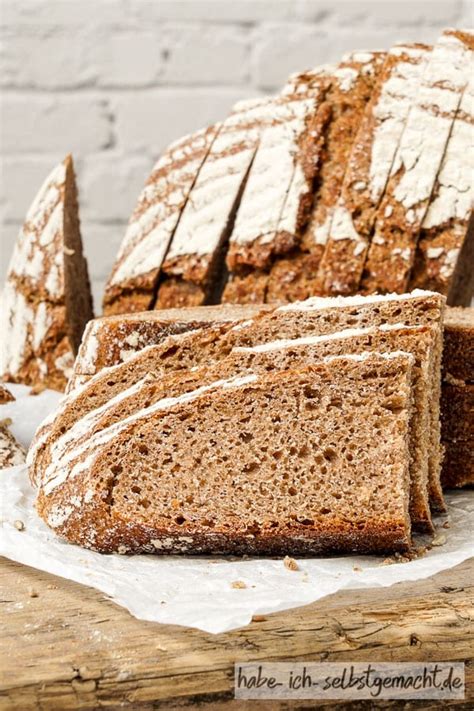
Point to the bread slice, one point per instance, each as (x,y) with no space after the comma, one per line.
(46,301)
(345,237)
(277,198)
(222,469)
(417,163)
(193,270)
(113,339)
(132,284)
(445,238)
(12,453)
(351,86)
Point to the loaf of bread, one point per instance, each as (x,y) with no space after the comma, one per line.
(355,179)
(46,301)
(293,489)
(457,398)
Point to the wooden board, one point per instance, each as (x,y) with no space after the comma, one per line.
(65,646)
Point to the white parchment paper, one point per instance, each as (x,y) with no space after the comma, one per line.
(195,591)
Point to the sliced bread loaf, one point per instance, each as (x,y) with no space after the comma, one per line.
(348,324)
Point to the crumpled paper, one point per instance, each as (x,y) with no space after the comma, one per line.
(195,591)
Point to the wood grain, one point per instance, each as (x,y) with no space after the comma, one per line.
(65,646)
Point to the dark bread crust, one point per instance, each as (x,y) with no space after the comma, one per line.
(115,534)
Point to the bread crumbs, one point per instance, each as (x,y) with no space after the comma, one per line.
(290,563)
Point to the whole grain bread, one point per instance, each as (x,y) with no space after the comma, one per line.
(340,326)
(223,469)
(417,163)
(347,235)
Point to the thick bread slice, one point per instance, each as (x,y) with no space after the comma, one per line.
(417,163)
(345,237)
(223,469)
(444,235)
(352,84)
(46,301)
(113,339)
(132,283)
(277,198)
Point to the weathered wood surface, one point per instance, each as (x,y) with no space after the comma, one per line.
(64,646)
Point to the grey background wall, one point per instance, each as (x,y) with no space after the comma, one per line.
(114,81)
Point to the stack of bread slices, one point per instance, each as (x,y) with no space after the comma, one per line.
(306,428)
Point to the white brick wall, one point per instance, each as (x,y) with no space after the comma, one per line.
(113,81)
